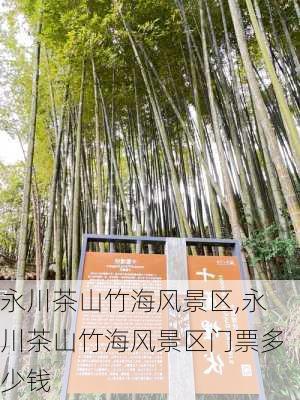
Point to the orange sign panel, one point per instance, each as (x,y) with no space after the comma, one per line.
(112,371)
(222,369)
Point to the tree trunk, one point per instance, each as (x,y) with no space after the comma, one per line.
(291,128)
(98,157)
(22,243)
(268,129)
(77,185)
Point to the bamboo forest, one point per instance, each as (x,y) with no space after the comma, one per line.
(156,118)
(153,117)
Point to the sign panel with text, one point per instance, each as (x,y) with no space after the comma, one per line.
(229,367)
(111,370)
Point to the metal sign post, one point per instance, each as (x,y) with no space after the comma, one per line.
(181,370)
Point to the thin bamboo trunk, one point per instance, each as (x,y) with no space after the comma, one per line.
(77,182)
(98,156)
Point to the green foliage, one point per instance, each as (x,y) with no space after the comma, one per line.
(269,246)
(11,184)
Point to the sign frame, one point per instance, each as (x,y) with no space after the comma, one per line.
(234,244)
